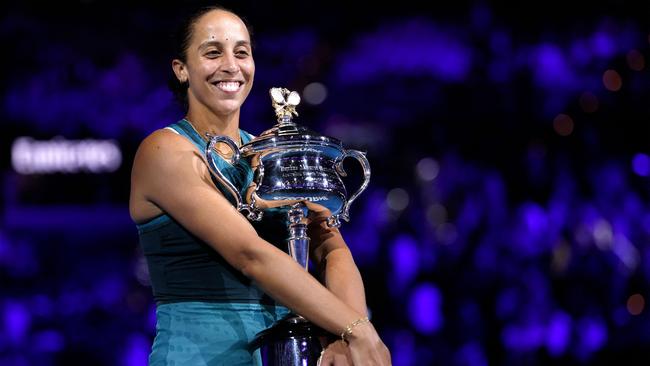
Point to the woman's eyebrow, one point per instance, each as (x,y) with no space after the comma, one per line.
(219,43)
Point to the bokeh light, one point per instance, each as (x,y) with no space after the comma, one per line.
(397,199)
(641,164)
(427,169)
(635,304)
(612,80)
(425,308)
(314,93)
(406,260)
(559,333)
(563,124)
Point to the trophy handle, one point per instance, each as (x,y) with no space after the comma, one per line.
(212,165)
(361,157)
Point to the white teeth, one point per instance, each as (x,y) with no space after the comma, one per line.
(229,86)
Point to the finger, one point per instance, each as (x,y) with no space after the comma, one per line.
(316,208)
(325,360)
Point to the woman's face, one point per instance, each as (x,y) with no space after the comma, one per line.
(220,66)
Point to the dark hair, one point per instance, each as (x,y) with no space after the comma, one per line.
(181,41)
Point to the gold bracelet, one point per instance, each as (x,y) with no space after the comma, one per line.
(348,330)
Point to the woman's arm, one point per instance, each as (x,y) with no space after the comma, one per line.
(334,263)
(337,271)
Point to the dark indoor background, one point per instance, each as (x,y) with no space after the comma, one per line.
(507,221)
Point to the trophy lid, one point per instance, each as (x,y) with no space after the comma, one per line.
(286,132)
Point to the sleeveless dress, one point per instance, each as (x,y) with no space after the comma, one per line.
(207,312)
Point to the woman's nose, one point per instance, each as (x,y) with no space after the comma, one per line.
(230,63)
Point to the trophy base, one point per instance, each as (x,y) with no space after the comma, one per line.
(293,341)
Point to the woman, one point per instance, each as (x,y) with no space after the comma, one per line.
(215,279)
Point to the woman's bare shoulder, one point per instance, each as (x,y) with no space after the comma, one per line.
(162,144)
(165,153)
(164,138)
(164,162)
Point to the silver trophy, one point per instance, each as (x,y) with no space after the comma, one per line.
(292,167)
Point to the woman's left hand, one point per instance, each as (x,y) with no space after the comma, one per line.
(337,354)
(317,227)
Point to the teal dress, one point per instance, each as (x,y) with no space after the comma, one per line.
(207,312)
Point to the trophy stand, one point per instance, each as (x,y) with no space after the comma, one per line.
(293,341)
(298,239)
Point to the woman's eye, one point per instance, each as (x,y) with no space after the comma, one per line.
(242,53)
(213,53)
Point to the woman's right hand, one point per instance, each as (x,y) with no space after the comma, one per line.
(366,348)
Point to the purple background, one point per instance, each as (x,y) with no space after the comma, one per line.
(507,221)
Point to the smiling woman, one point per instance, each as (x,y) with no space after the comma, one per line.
(214,69)
(217,279)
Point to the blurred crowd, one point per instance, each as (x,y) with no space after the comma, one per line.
(506,223)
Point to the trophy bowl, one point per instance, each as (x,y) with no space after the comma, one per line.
(290,164)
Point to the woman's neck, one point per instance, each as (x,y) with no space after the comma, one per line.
(215,125)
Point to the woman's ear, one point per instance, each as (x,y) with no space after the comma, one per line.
(180,70)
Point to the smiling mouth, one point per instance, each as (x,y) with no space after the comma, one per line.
(228,86)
